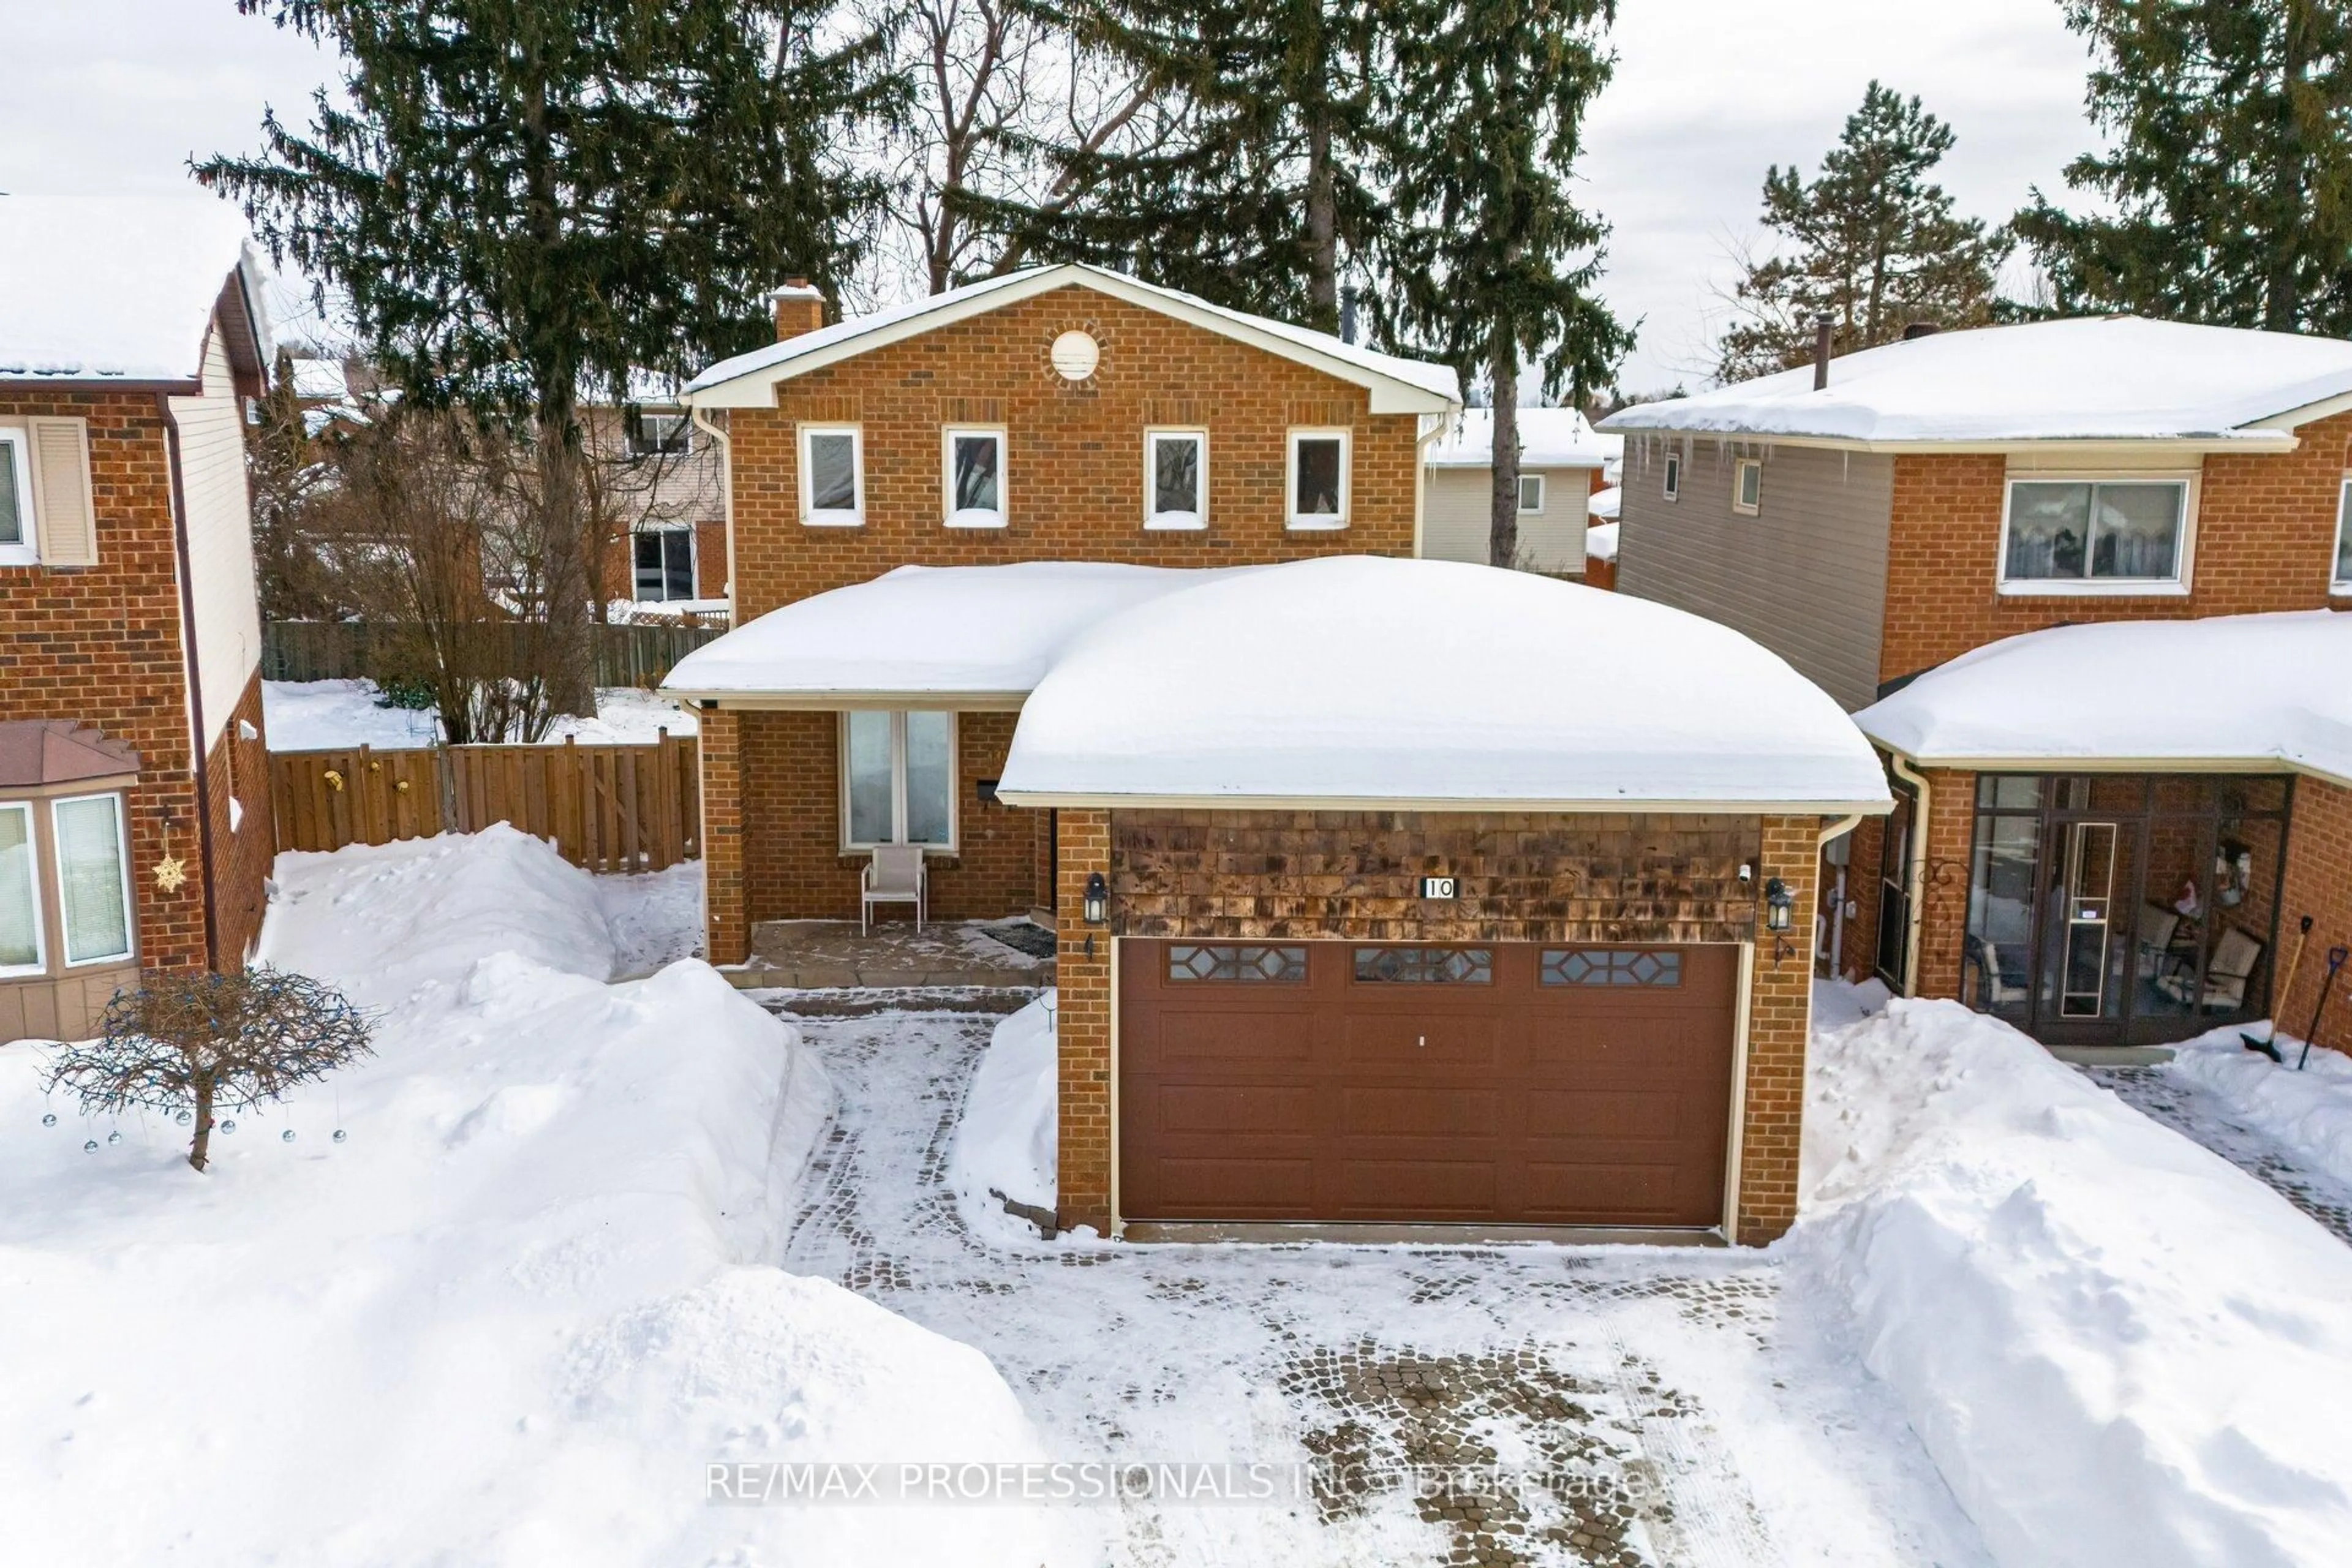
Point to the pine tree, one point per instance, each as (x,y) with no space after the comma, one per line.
(1249,189)
(2228,191)
(526,200)
(1490,259)
(1873,243)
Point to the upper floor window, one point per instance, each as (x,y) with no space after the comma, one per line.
(1748,486)
(833,476)
(1318,479)
(1176,478)
(1531,488)
(1673,488)
(653,435)
(898,778)
(2092,536)
(2340,580)
(665,564)
(18,545)
(973,477)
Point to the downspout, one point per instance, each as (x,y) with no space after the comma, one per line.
(1421,444)
(727,482)
(1914,875)
(197,761)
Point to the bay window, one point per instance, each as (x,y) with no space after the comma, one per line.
(93,877)
(1176,478)
(973,477)
(898,778)
(20,893)
(2091,536)
(1318,479)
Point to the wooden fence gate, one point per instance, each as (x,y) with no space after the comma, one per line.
(608,809)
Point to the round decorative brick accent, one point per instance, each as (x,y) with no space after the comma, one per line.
(1075,354)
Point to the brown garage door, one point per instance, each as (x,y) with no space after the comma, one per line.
(1512,1083)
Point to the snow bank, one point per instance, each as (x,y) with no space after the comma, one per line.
(319,715)
(2119,1350)
(511,1319)
(2310,1111)
(1006,1141)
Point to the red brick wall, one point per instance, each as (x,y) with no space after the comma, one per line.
(2318,884)
(1780,1028)
(1073,459)
(100,644)
(2265,540)
(1082,1029)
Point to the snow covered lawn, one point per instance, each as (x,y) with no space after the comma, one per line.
(2120,1348)
(510,1318)
(315,715)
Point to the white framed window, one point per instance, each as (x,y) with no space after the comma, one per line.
(1175,479)
(93,877)
(1318,479)
(659,434)
(972,476)
(2086,535)
(20,892)
(1748,486)
(2340,580)
(663,564)
(20,545)
(833,476)
(1673,488)
(1531,495)
(898,778)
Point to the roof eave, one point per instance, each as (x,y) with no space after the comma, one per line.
(1565,805)
(2074,762)
(827,701)
(2252,439)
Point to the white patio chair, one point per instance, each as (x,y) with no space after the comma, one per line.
(894,876)
(2227,975)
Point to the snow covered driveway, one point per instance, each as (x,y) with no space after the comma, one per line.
(2202,1116)
(1667,1407)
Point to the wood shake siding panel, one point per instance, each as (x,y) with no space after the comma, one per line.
(1806,576)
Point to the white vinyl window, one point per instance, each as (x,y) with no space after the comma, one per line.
(1531,488)
(20,893)
(2095,536)
(1748,486)
(1175,479)
(898,778)
(833,476)
(1318,479)
(18,546)
(664,564)
(93,877)
(1673,488)
(972,477)
(2339,581)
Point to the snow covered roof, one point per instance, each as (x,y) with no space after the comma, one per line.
(321,380)
(2117,378)
(2248,692)
(920,631)
(1377,683)
(1604,505)
(749,380)
(122,288)
(1549,438)
(1600,541)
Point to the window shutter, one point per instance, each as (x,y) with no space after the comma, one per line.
(68,530)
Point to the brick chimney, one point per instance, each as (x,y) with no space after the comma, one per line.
(798,308)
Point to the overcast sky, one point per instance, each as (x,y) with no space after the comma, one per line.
(116,94)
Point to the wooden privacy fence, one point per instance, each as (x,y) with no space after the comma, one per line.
(636,655)
(608,809)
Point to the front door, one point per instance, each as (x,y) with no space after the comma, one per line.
(2087,924)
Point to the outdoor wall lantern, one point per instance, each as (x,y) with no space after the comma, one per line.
(1097,901)
(1780,904)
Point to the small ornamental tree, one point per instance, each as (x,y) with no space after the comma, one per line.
(201,1042)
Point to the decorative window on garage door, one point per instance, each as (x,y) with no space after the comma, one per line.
(1276,965)
(1427,966)
(1610,967)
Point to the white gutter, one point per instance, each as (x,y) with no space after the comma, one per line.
(1618,805)
(1914,875)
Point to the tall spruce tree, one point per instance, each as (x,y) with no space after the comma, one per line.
(2229,189)
(1873,243)
(526,200)
(1253,192)
(1490,261)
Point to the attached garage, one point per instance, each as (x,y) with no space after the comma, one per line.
(1495,1083)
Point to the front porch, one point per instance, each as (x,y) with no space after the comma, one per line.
(832,955)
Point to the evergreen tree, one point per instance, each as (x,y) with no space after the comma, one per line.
(1249,187)
(1872,243)
(526,200)
(1490,259)
(2228,191)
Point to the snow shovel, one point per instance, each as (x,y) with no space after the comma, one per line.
(2269,1047)
(2335,957)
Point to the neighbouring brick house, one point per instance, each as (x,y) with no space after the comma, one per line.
(1940,495)
(667,495)
(973,543)
(135,806)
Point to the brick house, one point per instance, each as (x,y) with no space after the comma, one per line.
(668,496)
(1482,969)
(135,807)
(1878,518)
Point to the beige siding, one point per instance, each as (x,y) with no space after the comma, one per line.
(1806,576)
(1458,512)
(220,537)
